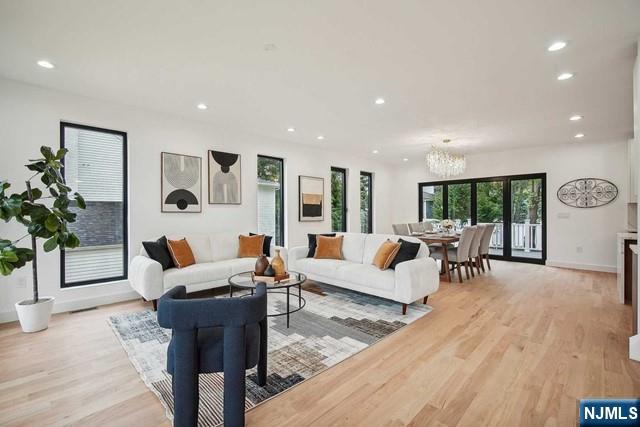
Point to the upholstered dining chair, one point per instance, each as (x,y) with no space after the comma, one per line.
(416,227)
(485,243)
(213,335)
(474,249)
(458,256)
(401,230)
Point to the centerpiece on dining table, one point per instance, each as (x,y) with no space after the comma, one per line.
(447,225)
(270,273)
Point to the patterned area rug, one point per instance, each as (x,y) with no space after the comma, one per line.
(335,324)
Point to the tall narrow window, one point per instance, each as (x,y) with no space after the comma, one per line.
(338,199)
(366,202)
(96,167)
(271,197)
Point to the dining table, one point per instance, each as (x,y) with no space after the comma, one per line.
(445,240)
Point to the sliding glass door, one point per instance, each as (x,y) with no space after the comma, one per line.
(527,227)
(431,203)
(490,210)
(459,204)
(514,204)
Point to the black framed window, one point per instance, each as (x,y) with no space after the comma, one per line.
(96,167)
(338,199)
(271,197)
(366,202)
(516,204)
(490,209)
(432,203)
(459,203)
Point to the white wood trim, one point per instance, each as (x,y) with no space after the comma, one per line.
(577,266)
(79,304)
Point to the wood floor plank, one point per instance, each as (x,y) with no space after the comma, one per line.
(518,345)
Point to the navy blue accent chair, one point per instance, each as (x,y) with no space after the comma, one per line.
(214,335)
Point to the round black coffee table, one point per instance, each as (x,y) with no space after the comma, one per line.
(245,280)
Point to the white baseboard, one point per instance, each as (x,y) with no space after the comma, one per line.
(79,304)
(577,266)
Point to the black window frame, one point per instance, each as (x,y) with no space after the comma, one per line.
(281,223)
(506,208)
(345,209)
(369,176)
(125,208)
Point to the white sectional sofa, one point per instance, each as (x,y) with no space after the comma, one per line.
(216,256)
(410,281)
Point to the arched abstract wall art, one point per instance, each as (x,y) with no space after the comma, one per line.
(181,183)
(225,180)
(587,193)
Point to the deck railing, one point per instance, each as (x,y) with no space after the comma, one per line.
(524,236)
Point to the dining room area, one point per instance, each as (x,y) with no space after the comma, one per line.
(465,248)
(468,222)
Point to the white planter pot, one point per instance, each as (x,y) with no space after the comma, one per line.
(35,317)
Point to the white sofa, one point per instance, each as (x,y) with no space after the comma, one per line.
(216,256)
(410,281)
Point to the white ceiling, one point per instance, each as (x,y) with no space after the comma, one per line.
(477,72)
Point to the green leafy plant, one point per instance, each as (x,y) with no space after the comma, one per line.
(44,213)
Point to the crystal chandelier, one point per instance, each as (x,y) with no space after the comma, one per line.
(444,163)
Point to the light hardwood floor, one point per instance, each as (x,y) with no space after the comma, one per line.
(517,346)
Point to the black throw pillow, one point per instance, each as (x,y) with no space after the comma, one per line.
(158,251)
(313,242)
(266,246)
(407,252)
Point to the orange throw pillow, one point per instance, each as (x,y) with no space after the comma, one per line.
(181,253)
(250,246)
(329,247)
(385,255)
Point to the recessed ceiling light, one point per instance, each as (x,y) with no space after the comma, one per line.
(575,117)
(291,130)
(379,101)
(202,106)
(579,135)
(405,160)
(557,46)
(46,64)
(320,137)
(375,151)
(565,76)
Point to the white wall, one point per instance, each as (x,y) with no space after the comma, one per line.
(30,117)
(636,93)
(592,229)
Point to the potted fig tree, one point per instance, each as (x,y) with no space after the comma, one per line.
(45,214)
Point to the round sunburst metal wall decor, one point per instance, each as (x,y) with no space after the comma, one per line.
(587,193)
